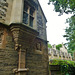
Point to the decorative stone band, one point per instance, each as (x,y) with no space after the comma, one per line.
(3,10)
(15,33)
(20,70)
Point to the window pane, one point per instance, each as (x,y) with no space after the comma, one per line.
(4,0)
(31,12)
(25,8)
(25,18)
(31,21)
(0,40)
(1,34)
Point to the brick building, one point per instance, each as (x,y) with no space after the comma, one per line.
(23,40)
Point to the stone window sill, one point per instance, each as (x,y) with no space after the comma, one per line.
(38,52)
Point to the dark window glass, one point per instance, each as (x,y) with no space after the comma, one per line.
(26,9)
(1,34)
(31,21)
(28,16)
(4,0)
(25,18)
(31,12)
(0,40)
(31,17)
(25,14)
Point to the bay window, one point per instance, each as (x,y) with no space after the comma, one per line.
(28,15)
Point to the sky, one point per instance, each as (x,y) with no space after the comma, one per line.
(55,24)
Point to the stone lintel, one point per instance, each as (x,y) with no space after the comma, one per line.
(32,3)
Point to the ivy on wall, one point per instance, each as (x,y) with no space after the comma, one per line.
(67,67)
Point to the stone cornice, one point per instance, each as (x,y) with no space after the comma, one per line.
(24,28)
(18,29)
(42,39)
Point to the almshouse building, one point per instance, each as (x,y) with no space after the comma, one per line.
(61,54)
(23,40)
(58,55)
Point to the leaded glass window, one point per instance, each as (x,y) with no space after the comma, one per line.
(25,18)
(28,15)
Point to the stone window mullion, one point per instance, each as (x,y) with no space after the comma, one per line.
(28,15)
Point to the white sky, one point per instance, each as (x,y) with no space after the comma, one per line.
(55,25)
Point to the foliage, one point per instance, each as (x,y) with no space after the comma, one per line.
(49,45)
(67,6)
(71,51)
(70,33)
(67,67)
(63,6)
(58,46)
(61,62)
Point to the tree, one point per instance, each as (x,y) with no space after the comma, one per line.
(70,33)
(58,46)
(67,6)
(49,45)
(63,6)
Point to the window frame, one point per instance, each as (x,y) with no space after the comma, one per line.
(38,46)
(31,16)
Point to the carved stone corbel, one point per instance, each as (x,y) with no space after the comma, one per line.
(15,36)
(15,33)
